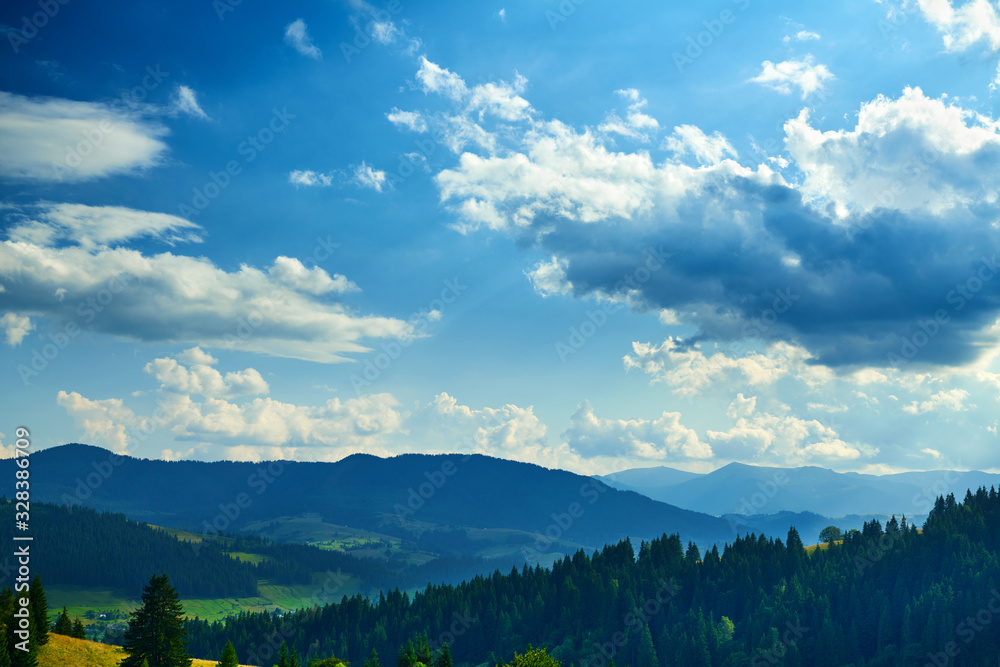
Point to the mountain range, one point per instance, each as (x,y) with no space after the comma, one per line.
(501,507)
(541,511)
(743,489)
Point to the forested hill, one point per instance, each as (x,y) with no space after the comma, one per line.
(886,596)
(78,546)
(362,491)
(82,547)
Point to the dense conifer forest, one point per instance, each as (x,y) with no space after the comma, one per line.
(102,549)
(886,595)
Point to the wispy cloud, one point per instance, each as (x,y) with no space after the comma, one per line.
(310,178)
(636,124)
(367,177)
(801,36)
(55,139)
(185,100)
(297,36)
(66,254)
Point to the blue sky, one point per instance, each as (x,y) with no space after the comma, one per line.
(581,235)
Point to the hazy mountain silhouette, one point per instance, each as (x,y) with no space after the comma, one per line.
(738,488)
(362,491)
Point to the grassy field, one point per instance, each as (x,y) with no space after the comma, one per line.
(188,536)
(272,596)
(256,559)
(310,528)
(68,652)
(78,599)
(822,545)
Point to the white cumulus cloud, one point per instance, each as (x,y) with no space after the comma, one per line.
(802,73)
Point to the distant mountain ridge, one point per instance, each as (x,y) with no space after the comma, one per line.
(547,512)
(738,488)
(391,495)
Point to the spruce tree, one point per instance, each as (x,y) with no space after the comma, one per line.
(156,631)
(533,657)
(39,611)
(63,625)
(443,658)
(373,660)
(424,655)
(283,656)
(647,652)
(228,658)
(6,620)
(78,630)
(407,656)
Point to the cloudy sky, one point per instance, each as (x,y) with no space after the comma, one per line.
(560,232)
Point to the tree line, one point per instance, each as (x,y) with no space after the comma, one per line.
(104,549)
(886,595)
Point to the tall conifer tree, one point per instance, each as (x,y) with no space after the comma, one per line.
(156,630)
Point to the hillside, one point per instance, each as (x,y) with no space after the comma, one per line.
(87,548)
(401,496)
(106,550)
(68,652)
(885,595)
